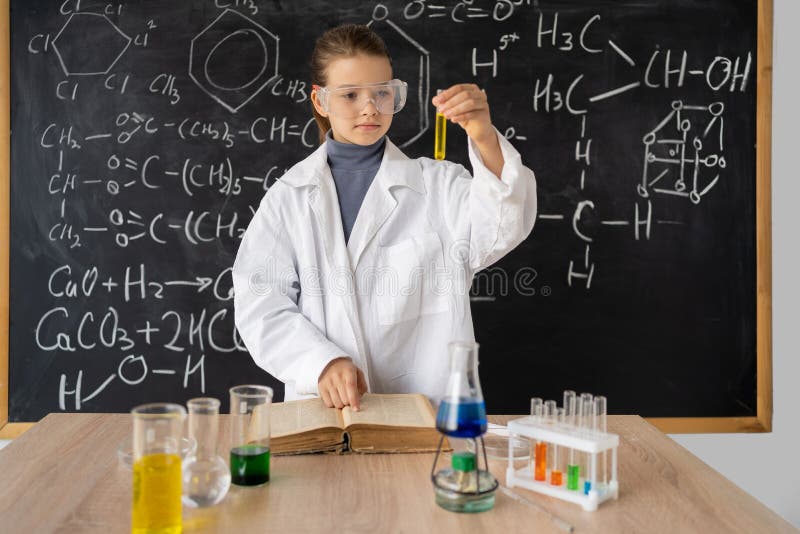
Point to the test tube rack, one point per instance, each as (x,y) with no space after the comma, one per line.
(565,435)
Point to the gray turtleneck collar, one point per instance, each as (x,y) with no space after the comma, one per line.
(353,168)
(352,157)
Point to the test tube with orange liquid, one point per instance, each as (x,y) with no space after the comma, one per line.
(557,471)
(543,455)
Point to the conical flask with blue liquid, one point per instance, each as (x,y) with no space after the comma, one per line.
(462,412)
(464,487)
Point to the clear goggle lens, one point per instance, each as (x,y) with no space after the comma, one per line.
(349,102)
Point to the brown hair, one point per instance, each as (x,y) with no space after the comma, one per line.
(347,40)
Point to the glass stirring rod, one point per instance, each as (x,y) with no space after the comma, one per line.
(563,525)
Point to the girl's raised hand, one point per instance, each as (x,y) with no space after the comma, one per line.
(466,105)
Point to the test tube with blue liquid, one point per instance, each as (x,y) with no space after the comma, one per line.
(586,404)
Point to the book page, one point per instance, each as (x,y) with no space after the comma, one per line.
(412,410)
(298,416)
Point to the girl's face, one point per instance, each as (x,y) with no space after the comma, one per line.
(369,125)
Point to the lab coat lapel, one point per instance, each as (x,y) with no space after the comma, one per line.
(379,203)
(395,170)
(325,205)
(375,209)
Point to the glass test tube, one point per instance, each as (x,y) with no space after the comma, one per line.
(557,469)
(541,463)
(600,411)
(441,133)
(536,407)
(536,413)
(586,403)
(573,469)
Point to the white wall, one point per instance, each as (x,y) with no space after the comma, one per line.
(764,465)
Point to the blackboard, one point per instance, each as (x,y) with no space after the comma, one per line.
(145,133)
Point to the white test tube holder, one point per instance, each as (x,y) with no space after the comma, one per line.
(567,436)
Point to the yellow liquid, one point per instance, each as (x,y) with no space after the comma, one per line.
(157,494)
(441,135)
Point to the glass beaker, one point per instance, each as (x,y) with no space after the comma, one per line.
(157,430)
(206,478)
(250,455)
(462,412)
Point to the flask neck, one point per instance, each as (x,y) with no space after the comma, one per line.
(204,428)
(464,383)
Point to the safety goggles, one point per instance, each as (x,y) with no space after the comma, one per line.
(348,102)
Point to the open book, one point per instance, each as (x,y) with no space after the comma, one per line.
(384,423)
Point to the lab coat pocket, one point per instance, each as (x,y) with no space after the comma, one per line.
(410,270)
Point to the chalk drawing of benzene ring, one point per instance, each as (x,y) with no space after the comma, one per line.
(107,44)
(420,85)
(213,40)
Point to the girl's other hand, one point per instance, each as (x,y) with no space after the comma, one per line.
(466,105)
(341,384)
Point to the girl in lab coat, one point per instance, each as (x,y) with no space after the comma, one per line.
(335,305)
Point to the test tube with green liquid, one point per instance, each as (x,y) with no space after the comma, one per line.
(441,133)
(573,469)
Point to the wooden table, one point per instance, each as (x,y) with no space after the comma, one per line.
(63,476)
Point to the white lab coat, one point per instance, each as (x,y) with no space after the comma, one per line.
(398,291)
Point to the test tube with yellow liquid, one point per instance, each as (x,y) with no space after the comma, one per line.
(441,133)
(157,430)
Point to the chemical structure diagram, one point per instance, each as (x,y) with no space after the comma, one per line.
(669,154)
(412,65)
(76,58)
(683,154)
(233,84)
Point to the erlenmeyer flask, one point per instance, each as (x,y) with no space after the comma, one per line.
(462,412)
